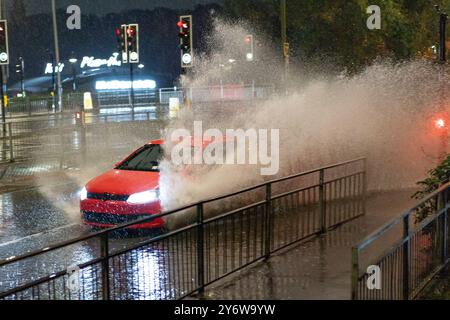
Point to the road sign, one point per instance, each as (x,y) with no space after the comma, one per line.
(4,48)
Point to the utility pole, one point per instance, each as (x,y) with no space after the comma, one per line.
(3,71)
(285,43)
(58,74)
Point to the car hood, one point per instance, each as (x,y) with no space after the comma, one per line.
(124,182)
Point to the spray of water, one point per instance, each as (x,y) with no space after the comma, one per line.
(383,113)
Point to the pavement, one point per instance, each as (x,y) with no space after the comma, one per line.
(316,269)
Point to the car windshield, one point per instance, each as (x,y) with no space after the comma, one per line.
(145,159)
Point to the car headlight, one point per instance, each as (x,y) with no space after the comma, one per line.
(83,194)
(143,197)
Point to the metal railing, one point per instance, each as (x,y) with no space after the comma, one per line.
(32,105)
(218,237)
(219,93)
(419,253)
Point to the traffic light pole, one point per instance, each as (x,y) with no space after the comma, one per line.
(55,34)
(2,93)
(132,86)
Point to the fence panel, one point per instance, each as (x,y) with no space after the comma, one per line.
(418,253)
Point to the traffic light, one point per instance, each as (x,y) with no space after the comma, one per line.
(20,66)
(132,36)
(249,52)
(187,54)
(122,41)
(4,49)
(20,69)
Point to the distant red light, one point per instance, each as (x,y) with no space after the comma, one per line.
(180,24)
(118,32)
(440,123)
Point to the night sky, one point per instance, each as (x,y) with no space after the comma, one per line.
(101,7)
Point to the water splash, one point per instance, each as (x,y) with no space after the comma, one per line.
(382,113)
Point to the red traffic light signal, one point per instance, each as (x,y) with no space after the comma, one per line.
(130,32)
(186,41)
(183,24)
(4,50)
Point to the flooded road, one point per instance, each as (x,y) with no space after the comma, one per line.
(37,217)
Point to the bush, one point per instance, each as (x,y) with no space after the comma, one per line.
(436,178)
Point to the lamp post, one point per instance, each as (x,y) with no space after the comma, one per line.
(73,60)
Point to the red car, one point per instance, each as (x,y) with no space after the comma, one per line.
(126,193)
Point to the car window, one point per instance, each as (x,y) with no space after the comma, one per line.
(145,159)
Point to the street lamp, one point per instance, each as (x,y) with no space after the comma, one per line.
(73,60)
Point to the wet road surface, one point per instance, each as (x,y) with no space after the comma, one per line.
(37,217)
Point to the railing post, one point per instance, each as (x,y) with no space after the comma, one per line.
(200,249)
(322,207)
(355,272)
(11,146)
(445,228)
(104,248)
(28,103)
(364,185)
(406,257)
(268,221)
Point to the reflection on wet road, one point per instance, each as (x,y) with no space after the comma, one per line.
(37,217)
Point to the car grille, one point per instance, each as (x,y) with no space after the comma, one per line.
(109,218)
(107,197)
